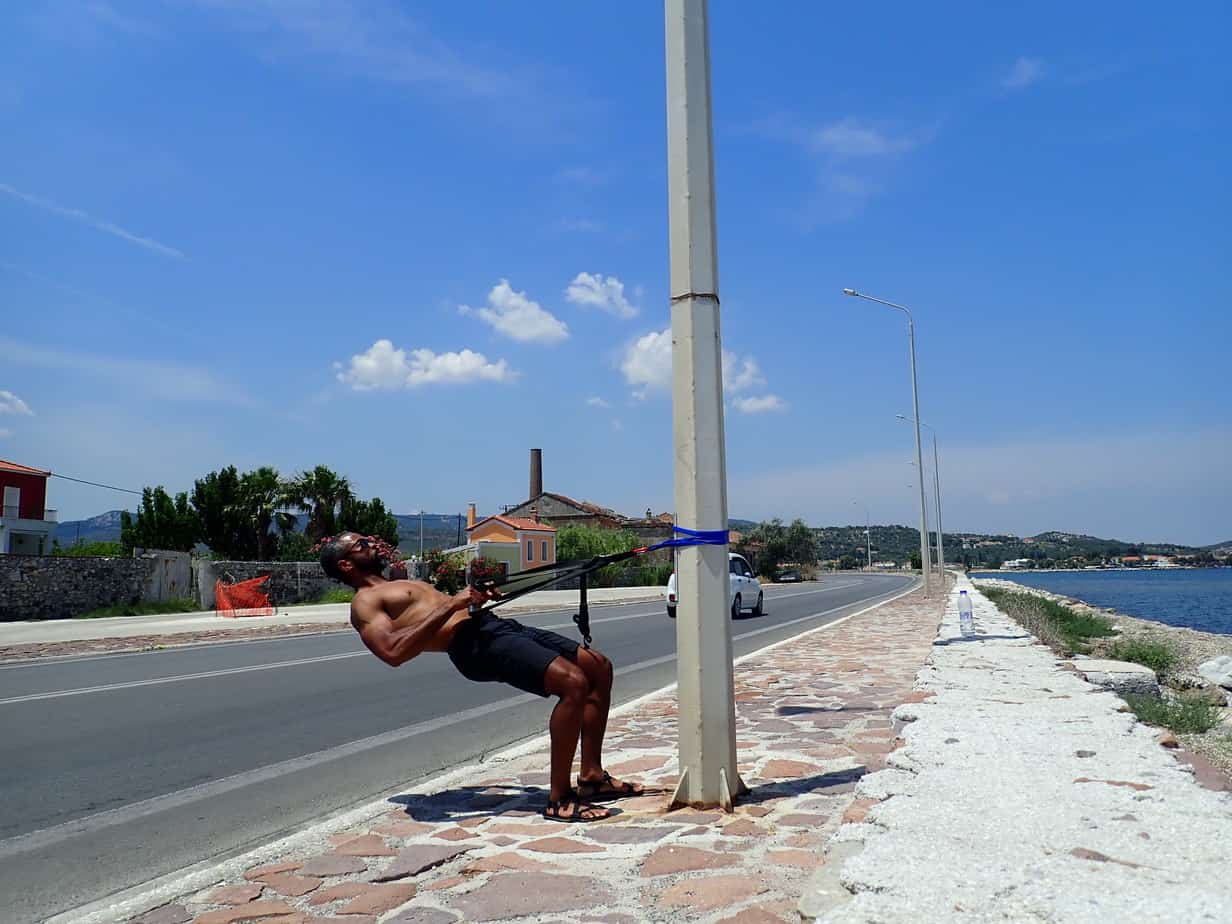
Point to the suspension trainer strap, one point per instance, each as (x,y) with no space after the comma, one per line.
(691,537)
(533,579)
(582,619)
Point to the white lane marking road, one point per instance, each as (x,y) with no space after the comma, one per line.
(222,672)
(46,837)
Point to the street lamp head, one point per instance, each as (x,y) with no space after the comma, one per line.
(850,292)
(902,417)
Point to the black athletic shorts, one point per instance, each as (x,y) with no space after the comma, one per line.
(488,648)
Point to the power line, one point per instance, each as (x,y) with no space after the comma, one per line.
(95,484)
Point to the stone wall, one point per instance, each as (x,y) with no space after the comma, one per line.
(53,587)
(290,581)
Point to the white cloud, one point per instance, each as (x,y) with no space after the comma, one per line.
(852,137)
(104,226)
(594,291)
(592,402)
(647,363)
(375,39)
(154,378)
(518,317)
(382,366)
(1025,72)
(759,405)
(740,374)
(11,404)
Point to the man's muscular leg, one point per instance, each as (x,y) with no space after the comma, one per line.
(593,779)
(570,683)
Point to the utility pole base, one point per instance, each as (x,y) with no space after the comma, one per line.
(727,794)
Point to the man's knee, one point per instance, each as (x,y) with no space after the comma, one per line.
(600,670)
(568,681)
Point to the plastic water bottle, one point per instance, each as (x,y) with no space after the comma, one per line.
(966,621)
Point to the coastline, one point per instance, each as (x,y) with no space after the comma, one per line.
(1192,647)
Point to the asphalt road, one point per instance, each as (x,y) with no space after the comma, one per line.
(118,769)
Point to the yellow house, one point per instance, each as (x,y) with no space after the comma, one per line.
(519,542)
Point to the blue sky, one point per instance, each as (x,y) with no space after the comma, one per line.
(412,241)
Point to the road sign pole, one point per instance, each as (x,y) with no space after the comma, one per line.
(707,717)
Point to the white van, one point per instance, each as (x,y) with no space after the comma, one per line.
(745,592)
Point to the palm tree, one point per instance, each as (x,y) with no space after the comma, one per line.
(264,493)
(319,493)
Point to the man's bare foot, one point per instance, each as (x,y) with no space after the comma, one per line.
(571,808)
(606,787)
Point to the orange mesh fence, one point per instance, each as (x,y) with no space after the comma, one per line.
(243,598)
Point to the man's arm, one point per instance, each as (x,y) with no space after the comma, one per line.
(397,646)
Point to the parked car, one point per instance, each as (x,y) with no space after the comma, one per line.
(744,590)
(789,576)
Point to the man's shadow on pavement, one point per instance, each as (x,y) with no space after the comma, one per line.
(463,802)
(454,806)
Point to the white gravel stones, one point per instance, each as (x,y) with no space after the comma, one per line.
(1034,799)
(1118,676)
(1218,671)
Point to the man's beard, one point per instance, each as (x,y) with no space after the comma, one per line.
(373,565)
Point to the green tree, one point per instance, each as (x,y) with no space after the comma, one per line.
(589,541)
(849,563)
(915,560)
(767,545)
(369,518)
(801,543)
(161,523)
(262,494)
(319,493)
(221,505)
(294,546)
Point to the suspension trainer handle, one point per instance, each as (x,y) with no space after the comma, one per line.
(582,619)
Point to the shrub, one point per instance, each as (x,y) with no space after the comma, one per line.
(1158,656)
(91,549)
(1183,714)
(447,573)
(336,595)
(1055,625)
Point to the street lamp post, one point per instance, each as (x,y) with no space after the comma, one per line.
(706,694)
(936,495)
(868,536)
(919,455)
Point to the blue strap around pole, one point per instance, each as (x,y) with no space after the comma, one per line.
(692,537)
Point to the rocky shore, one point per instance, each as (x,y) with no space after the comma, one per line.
(1203,662)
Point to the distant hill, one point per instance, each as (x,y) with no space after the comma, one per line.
(103,528)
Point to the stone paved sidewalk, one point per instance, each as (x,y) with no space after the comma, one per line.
(813,716)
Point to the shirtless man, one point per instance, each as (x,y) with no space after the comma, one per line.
(399,620)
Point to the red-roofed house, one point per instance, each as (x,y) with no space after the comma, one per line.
(517,541)
(25,522)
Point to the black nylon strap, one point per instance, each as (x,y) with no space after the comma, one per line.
(547,575)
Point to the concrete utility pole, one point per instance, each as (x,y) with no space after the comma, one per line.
(707,711)
(937,496)
(925,555)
